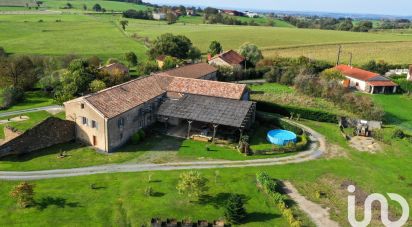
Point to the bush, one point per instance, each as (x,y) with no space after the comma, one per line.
(272,188)
(138,137)
(304,113)
(398,134)
(12,95)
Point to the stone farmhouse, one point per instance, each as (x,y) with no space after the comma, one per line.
(366,81)
(229,58)
(107,119)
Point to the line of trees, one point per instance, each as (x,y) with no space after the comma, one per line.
(327,23)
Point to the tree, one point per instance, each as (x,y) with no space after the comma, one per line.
(215,48)
(76,80)
(23,193)
(191,184)
(194,54)
(2,52)
(131,58)
(171,18)
(84,7)
(18,71)
(405,86)
(274,74)
(171,45)
(69,5)
(97,85)
(97,7)
(11,95)
(380,67)
(124,23)
(235,212)
(169,63)
(94,61)
(332,74)
(345,25)
(251,52)
(148,67)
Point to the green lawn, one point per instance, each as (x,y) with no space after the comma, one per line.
(120,198)
(397,108)
(33,99)
(76,34)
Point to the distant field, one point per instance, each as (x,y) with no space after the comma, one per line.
(261,21)
(17,2)
(392,52)
(75,34)
(274,40)
(78,5)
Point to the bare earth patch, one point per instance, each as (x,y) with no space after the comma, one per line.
(365,144)
(14,119)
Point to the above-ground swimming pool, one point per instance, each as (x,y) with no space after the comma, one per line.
(281,137)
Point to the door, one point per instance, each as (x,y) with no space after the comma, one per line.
(94,141)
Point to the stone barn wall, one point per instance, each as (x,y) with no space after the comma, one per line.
(47,133)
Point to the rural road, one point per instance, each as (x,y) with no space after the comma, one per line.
(316,150)
(18,112)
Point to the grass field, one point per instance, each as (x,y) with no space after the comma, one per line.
(397,108)
(320,44)
(75,34)
(262,21)
(78,5)
(391,52)
(120,197)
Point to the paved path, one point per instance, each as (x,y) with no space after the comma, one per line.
(319,215)
(18,112)
(316,149)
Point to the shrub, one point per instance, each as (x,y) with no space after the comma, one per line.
(137,137)
(12,95)
(23,193)
(398,134)
(235,212)
(304,113)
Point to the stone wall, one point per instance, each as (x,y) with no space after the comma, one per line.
(47,133)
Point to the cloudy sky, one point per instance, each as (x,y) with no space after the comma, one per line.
(388,7)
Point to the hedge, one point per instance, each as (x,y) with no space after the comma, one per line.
(266,118)
(309,114)
(272,188)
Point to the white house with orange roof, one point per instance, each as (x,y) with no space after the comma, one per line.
(366,81)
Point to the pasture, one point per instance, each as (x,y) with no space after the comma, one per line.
(78,5)
(83,35)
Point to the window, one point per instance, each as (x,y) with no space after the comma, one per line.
(120,122)
(82,106)
(94,124)
(121,135)
(84,120)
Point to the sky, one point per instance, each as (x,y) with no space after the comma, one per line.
(383,7)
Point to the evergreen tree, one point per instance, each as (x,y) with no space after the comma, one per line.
(235,212)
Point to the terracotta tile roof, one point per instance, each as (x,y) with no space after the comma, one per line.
(382,83)
(195,71)
(231,57)
(356,73)
(121,98)
(207,88)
